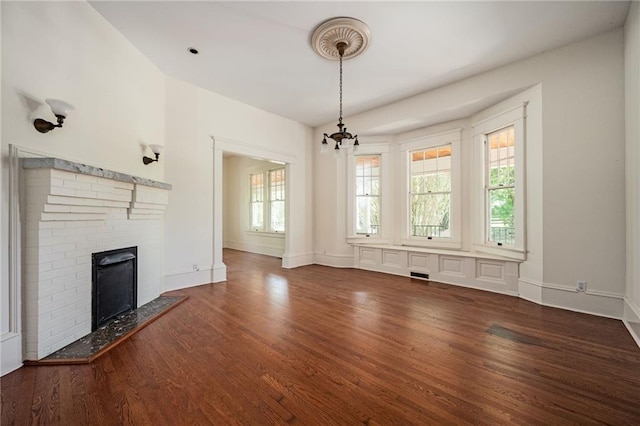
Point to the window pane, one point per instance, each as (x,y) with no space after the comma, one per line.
(430,192)
(501,157)
(256,195)
(367,194)
(257,216)
(277,216)
(277,200)
(501,216)
(430,215)
(368,215)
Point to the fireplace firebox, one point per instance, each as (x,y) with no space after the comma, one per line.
(114,284)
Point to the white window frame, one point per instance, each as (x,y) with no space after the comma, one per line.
(453,137)
(383,150)
(515,116)
(266,199)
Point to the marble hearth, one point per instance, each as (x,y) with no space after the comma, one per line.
(70,211)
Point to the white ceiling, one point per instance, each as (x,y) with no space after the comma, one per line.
(260,53)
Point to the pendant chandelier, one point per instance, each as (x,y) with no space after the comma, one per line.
(340,39)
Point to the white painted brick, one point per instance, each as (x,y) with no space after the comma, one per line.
(86,178)
(48,289)
(62,248)
(123,185)
(64,326)
(51,241)
(64,263)
(45,334)
(83,259)
(63,174)
(53,257)
(76,253)
(85,193)
(78,331)
(86,245)
(75,239)
(45,233)
(70,275)
(48,305)
(84,318)
(50,225)
(57,273)
(58,190)
(71,216)
(54,343)
(56,208)
(73,184)
(72,282)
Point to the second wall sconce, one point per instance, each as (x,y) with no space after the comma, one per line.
(156,150)
(60,108)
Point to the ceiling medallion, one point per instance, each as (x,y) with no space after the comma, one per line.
(354,33)
(340,39)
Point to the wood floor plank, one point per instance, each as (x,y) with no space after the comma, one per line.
(317,345)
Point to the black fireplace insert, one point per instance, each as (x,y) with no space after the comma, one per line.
(114,284)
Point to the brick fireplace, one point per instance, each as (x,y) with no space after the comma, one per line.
(70,211)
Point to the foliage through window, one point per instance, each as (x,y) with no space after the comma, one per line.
(367,172)
(430,192)
(500,186)
(267,201)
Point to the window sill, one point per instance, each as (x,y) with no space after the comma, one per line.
(361,239)
(265,234)
(508,252)
(435,243)
(443,252)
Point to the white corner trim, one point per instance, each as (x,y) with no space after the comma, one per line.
(334,260)
(593,302)
(295,260)
(219,273)
(631,319)
(11,348)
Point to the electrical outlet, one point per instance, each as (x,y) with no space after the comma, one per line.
(195,267)
(581,286)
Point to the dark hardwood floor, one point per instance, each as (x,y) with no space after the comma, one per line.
(317,345)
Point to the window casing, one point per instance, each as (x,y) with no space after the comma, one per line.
(431,213)
(267,201)
(368,203)
(367,194)
(499,184)
(430,192)
(499,145)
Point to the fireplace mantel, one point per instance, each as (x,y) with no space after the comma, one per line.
(70,166)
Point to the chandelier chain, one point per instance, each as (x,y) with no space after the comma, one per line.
(340,118)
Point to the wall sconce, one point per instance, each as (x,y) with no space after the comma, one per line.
(156,150)
(60,108)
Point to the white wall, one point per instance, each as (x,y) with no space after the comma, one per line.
(236,209)
(67,50)
(632,128)
(578,178)
(197,117)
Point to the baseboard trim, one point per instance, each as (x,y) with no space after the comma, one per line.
(11,348)
(294,260)
(334,260)
(255,248)
(219,273)
(631,319)
(593,302)
(185,279)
